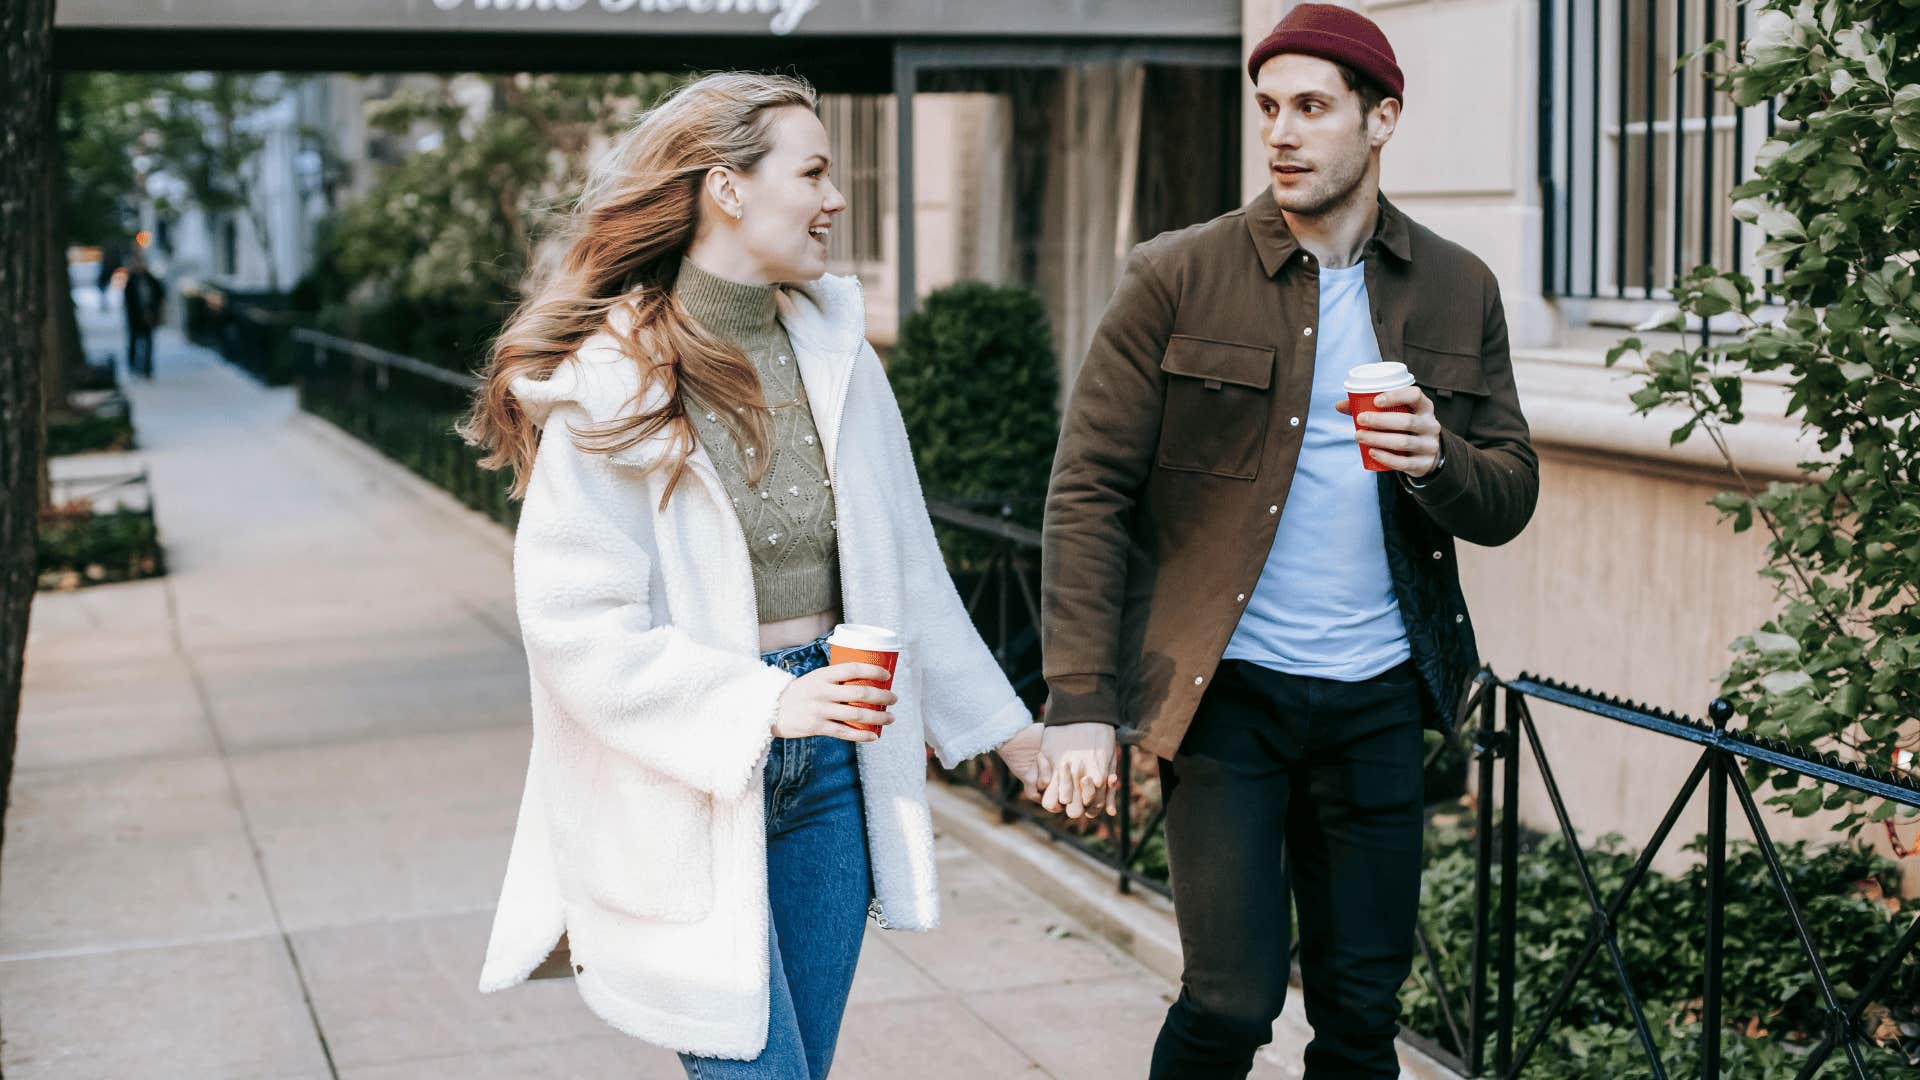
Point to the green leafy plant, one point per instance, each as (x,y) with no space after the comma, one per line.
(426,263)
(1770,1004)
(979,386)
(79,547)
(1838,196)
(79,432)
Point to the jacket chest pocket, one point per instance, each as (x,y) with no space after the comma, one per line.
(1452,379)
(1217,407)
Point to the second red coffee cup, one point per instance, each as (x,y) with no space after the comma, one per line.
(1366,382)
(852,643)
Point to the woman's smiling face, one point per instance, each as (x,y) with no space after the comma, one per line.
(788,202)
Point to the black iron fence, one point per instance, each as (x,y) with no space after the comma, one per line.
(1506,738)
(1476,1024)
(252,330)
(405,407)
(1637,159)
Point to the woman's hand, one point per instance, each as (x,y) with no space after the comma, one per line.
(1022,757)
(820,703)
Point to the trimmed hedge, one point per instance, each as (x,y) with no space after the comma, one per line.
(979,386)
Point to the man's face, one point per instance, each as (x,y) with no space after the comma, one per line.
(1319,144)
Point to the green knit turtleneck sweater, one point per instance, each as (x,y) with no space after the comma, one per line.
(789,517)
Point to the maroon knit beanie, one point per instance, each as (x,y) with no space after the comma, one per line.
(1332,33)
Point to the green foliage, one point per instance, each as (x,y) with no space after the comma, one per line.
(979,389)
(1771,1007)
(104,117)
(83,432)
(78,547)
(1838,195)
(1770,1003)
(427,262)
(201,129)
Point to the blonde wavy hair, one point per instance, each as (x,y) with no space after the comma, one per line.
(623,243)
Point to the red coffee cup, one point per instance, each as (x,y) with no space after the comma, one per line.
(1366,382)
(852,643)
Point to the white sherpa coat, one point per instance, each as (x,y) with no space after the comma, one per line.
(641,830)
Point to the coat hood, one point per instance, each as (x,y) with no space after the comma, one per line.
(827,317)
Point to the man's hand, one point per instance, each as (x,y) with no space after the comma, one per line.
(1082,757)
(1405,442)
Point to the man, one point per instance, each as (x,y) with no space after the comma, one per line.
(1224,579)
(143,298)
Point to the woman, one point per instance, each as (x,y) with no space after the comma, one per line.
(715,474)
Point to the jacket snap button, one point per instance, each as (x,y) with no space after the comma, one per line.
(1437,555)
(1273,509)
(1198,679)
(1308,331)
(1241,599)
(1459,618)
(1294,421)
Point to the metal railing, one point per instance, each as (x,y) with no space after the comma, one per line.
(1501,736)
(93,490)
(252,331)
(1001,594)
(1636,159)
(402,405)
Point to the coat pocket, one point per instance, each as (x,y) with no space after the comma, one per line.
(1452,378)
(1218,401)
(649,845)
(1444,372)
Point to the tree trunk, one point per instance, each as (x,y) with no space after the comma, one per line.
(60,330)
(26,39)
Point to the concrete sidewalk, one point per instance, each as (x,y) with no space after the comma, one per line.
(263,806)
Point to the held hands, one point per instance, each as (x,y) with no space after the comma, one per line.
(1405,442)
(1077,762)
(820,703)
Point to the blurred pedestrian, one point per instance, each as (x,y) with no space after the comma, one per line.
(144,299)
(715,475)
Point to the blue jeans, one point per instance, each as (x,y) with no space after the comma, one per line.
(818,886)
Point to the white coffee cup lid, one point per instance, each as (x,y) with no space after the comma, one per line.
(1374,378)
(864,638)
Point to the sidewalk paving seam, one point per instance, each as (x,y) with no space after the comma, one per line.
(959,997)
(76,952)
(246,823)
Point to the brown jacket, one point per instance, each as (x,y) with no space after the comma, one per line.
(1179,445)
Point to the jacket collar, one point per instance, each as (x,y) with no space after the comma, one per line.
(1276,243)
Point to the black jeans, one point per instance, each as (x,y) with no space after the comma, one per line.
(1286,783)
(140,351)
